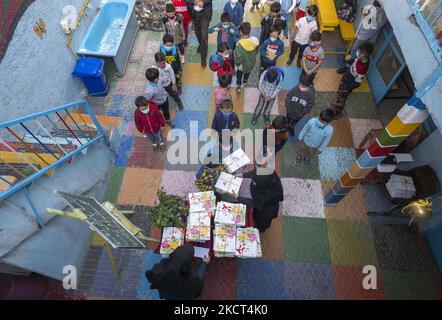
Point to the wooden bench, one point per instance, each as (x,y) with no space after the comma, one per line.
(327,16)
(348,34)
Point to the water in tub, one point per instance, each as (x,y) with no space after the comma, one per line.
(111,37)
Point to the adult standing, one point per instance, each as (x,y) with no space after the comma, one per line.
(201,13)
(174,277)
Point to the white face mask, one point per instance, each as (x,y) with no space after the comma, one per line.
(273,39)
(233,1)
(145,111)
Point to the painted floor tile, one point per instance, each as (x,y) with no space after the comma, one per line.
(247,121)
(272,241)
(407,285)
(251,97)
(291,168)
(308,281)
(143,155)
(220,281)
(124,151)
(361,105)
(327,80)
(351,243)
(360,128)
(322,100)
(341,137)
(138,186)
(349,284)
(192,57)
(144,291)
(333,162)
(113,184)
(194,74)
(253,18)
(191,123)
(291,77)
(376,198)
(352,207)
(303,198)
(260,280)
(178,182)
(306,240)
(398,248)
(196,98)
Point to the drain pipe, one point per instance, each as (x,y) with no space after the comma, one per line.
(77,23)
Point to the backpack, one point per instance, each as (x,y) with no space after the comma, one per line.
(347,11)
(280,74)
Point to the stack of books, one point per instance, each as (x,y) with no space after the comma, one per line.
(230,213)
(248,243)
(224,240)
(171,239)
(228,183)
(236,160)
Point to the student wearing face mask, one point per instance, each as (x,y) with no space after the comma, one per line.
(271,49)
(227,31)
(221,61)
(173,25)
(170,50)
(225,118)
(181,8)
(313,56)
(149,121)
(235,11)
(353,75)
(303,29)
(274,19)
(167,78)
(314,136)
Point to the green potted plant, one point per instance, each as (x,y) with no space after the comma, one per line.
(169,211)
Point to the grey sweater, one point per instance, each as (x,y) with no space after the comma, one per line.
(155,93)
(298,103)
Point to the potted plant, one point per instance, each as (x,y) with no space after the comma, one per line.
(169,212)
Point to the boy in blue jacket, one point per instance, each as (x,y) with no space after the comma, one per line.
(225,118)
(271,49)
(235,11)
(315,136)
(227,31)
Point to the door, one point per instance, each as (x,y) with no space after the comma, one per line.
(387,64)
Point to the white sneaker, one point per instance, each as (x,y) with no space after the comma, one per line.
(183,59)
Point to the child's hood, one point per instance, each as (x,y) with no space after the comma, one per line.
(249,44)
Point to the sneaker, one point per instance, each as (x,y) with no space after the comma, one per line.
(238,90)
(162,146)
(341,70)
(289,62)
(266,122)
(180,106)
(155,147)
(254,120)
(298,159)
(183,59)
(252,9)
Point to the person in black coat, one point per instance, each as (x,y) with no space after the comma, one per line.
(174,277)
(201,13)
(266,190)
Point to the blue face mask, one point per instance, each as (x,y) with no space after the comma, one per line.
(226,26)
(227,114)
(168,48)
(310,19)
(313,45)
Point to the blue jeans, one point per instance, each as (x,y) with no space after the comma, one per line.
(156,138)
(287,20)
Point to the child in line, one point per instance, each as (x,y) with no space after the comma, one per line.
(173,25)
(279,126)
(269,86)
(353,76)
(299,101)
(221,61)
(245,56)
(274,19)
(157,94)
(235,11)
(149,121)
(169,49)
(287,6)
(313,56)
(181,8)
(225,118)
(271,49)
(303,29)
(222,92)
(315,136)
(167,78)
(227,31)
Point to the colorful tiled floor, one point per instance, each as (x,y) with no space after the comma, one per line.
(310,252)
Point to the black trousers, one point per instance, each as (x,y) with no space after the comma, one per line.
(173,93)
(165,108)
(311,77)
(265,66)
(201,23)
(294,48)
(241,77)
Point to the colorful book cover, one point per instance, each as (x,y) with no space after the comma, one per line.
(202,201)
(224,239)
(236,160)
(230,213)
(172,238)
(198,233)
(248,243)
(229,183)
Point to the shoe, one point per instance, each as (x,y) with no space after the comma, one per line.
(298,159)
(180,106)
(341,70)
(266,122)
(238,90)
(298,64)
(155,147)
(254,120)
(252,9)
(306,161)
(203,63)
(289,62)
(162,146)
(183,59)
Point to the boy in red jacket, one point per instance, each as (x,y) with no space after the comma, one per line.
(149,120)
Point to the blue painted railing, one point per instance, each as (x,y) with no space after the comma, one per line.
(57,134)
(428,15)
